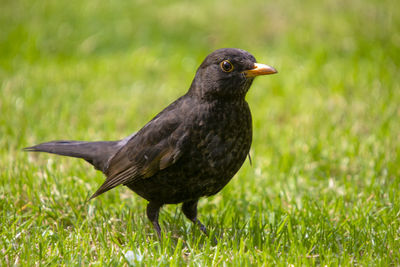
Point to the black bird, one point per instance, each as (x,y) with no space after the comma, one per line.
(189,150)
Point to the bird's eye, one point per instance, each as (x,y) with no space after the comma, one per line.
(226,66)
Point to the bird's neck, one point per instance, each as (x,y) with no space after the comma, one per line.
(213,94)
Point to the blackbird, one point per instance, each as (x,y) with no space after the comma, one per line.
(191,149)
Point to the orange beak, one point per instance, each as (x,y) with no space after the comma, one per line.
(260,69)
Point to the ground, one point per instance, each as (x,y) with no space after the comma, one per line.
(323,187)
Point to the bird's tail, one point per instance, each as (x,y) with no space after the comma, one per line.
(96,153)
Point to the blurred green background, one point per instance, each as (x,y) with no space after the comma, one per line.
(324,184)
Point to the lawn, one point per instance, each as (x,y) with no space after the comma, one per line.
(324,184)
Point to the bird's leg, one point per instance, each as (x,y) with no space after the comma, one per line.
(189,208)
(153,209)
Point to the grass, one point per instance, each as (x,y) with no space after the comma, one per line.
(324,185)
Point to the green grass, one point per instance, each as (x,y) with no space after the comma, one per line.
(324,187)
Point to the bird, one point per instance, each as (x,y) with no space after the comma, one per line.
(191,149)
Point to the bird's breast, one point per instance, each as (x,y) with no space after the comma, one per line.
(222,137)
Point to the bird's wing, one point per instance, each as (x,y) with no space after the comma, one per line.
(155,147)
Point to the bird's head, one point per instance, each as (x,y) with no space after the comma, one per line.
(227,73)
